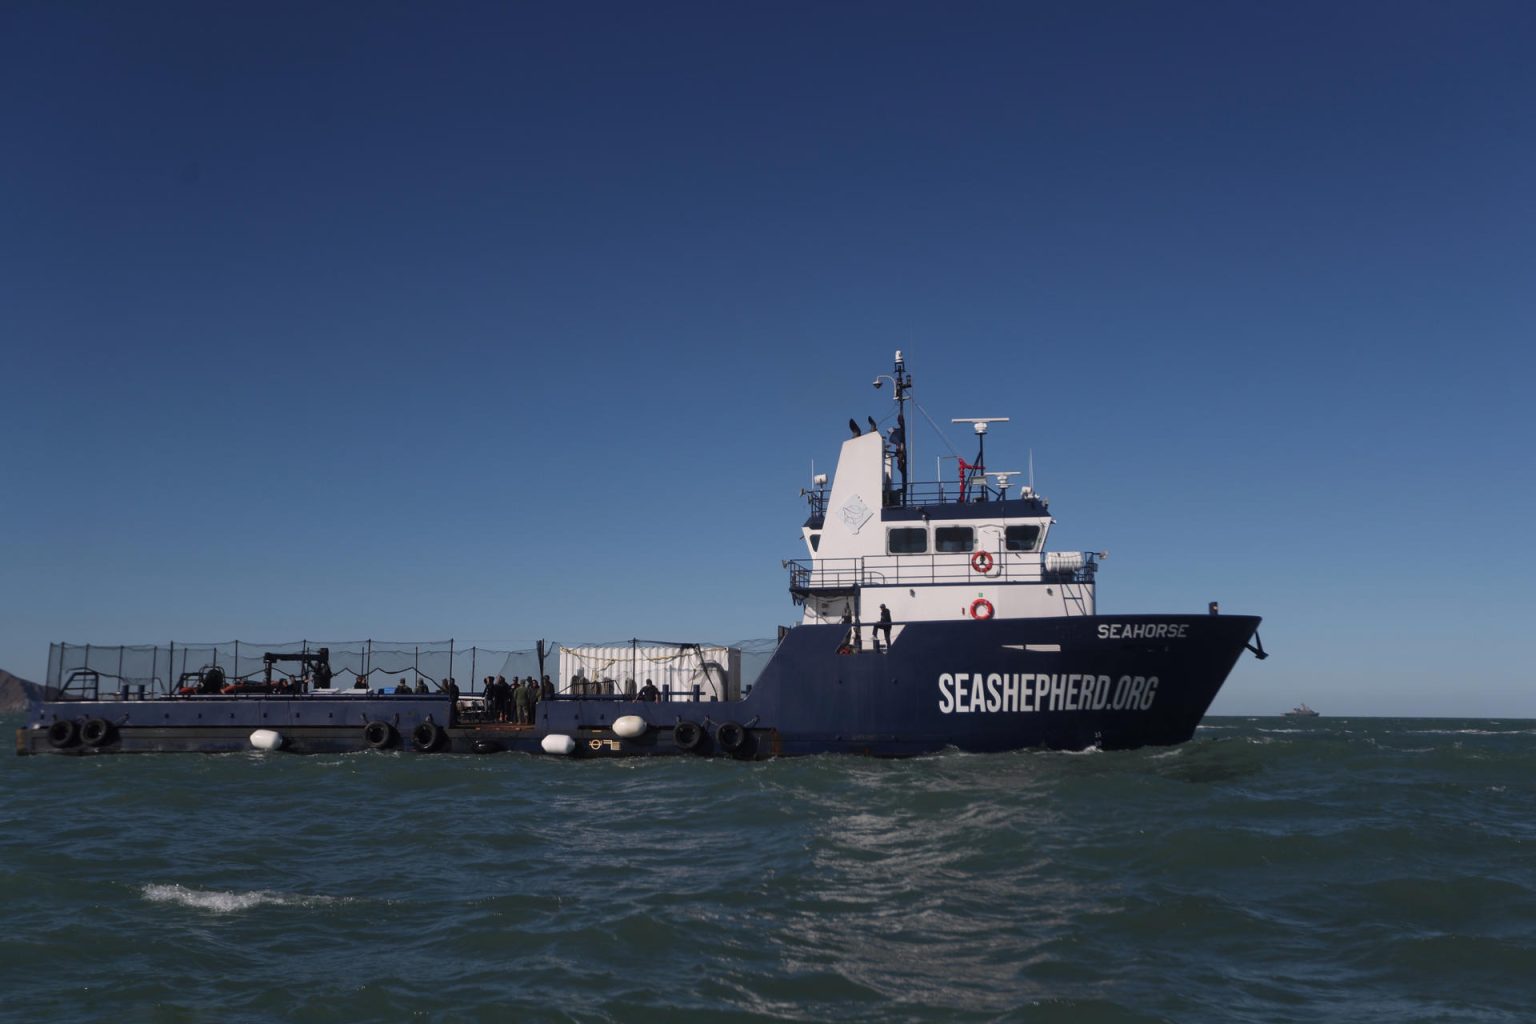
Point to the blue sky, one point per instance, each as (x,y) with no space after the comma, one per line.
(496,322)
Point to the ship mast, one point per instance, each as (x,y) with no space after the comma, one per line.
(901,380)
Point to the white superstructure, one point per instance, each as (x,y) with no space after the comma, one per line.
(929,551)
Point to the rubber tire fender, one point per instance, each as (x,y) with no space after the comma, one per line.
(96,732)
(380,735)
(731,737)
(687,736)
(426,737)
(64,733)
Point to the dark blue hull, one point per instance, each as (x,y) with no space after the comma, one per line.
(1070,683)
(1146,682)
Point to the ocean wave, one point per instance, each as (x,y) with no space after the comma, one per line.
(229,902)
(1470,732)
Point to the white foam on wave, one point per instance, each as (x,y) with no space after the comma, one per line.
(1468,732)
(229,902)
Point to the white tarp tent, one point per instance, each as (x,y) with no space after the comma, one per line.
(685,672)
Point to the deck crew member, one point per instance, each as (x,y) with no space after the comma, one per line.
(883,627)
(503,694)
(648,692)
(524,691)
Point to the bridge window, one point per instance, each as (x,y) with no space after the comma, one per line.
(906,540)
(815,542)
(954,538)
(1021,538)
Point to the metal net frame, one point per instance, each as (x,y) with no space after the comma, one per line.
(147,670)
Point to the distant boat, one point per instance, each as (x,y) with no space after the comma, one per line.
(1301,711)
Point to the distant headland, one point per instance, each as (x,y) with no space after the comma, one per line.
(16,693)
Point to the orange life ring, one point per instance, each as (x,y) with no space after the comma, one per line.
(981,609)
(981,561)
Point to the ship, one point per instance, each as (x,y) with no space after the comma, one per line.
(1301,711)
(933,617)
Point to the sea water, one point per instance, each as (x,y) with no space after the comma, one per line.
(1270,870)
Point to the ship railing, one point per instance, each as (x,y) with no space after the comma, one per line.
(919,494)
(832,575)
(862,637)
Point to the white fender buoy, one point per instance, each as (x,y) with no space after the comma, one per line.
(629,726)
(558,743)
(267,739)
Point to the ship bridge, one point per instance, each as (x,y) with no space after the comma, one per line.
(930,550)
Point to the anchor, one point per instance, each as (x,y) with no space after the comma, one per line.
(1257,647)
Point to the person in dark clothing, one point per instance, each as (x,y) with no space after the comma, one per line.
(546,689)
(883,627)
(421,685)
(524,702)
(648,692)
(503,698)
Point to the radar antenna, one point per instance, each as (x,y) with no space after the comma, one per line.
(969,473)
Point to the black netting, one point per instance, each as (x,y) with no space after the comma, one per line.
(150,669)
